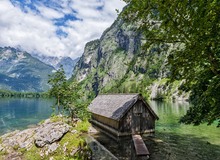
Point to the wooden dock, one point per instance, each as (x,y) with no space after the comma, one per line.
(140,147)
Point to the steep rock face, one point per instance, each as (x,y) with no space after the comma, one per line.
(68,65)
(106,60)
(88,61)
(116,63)
(19,71)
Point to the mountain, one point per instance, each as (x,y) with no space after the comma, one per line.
(19,71)
(116,63)
(67,63)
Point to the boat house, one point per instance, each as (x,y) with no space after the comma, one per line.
(122,114)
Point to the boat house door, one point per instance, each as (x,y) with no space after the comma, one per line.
(136,119)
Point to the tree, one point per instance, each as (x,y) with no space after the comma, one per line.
(67,95)
(193,27)
(59,87)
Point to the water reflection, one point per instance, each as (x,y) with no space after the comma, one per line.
(172,140)
(17,113)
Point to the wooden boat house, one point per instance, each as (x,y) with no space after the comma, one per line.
(122,114)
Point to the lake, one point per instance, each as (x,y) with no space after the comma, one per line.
(19,113)
(172,140)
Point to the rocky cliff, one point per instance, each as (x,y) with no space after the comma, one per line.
(117,63)
(105,61)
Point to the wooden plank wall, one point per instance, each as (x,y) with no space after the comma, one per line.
(107,121)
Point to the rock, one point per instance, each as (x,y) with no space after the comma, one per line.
(51,158)
(74,131)
(108,56)
(1,148)
(9,134)
(64,146)
(161,89)
(51,148)
(47,121)
(50,132)
(73,152)
(92,130)
(22,139)
(75,120)
(13,156)
(42,153)
(43,135)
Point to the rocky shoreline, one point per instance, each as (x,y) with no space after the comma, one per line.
(45,138)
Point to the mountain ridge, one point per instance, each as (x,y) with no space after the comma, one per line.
(19,71)
(67,63)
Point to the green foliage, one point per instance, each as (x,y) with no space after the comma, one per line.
(3,153)
(193,26)
(9,94)
(59,86)
(83,152)
(56,118)
(83,126)
(68,97)
(204,93)
(16,147)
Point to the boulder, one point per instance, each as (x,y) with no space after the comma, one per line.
(21,139)
(49,133)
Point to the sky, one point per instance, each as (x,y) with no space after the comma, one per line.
(55,27)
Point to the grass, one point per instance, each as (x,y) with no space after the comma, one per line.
(56,119)
(163,81)
(16,147)
(33,153)
(69,143)
(3,153)
(83,126)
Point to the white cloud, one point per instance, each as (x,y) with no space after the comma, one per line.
(50,13)
(37,32)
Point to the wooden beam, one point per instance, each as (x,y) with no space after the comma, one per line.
(114,131)
(140,147)
(109,129)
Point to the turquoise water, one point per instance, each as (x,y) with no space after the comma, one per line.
(172,140)
(17,113)
(179,141)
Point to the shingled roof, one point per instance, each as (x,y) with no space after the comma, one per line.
(114,106)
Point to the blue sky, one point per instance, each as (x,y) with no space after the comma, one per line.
(55,27)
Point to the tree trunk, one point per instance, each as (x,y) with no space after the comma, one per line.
(58,104)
